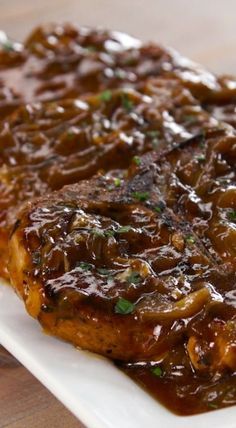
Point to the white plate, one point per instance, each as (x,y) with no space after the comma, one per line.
(91,387)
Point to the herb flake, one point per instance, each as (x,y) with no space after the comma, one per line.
(157,371)
(117,182)
(106,96)
(212,405)
(136,160)
(201,157)
(127,104)
(124,229)
(232,215)
(85,266)
(190,239)
(104,271)
(134,278)
(124,307)
(7,46)
(140,196)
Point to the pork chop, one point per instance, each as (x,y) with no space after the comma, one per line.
(65,61)
(130,271)
(47,145)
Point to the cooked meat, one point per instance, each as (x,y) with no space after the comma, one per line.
(65,61)
(135,257)
(45,146)
(103,266)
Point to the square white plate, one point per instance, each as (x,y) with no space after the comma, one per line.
(90,386)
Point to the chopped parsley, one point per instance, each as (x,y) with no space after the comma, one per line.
(117,182)
(160,207)
(119,73)
(91,48)
(102,234)
(127,104)
(124,307)
(201,158)
(157,371)
(190,239)
(106,96)
(36,258)
(212,405)
(108,233)
(141,196)
(155,143)
(124,229)
(70,134)
(7,46)
(232,215)
(153,133)
(98,233)
(104,271)
(190,118)
(202,145)
(134,278)
(85,266)
(136,160)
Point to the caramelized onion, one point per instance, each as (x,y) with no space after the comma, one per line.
(184,308)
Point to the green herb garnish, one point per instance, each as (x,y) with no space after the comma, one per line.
(201,158)
(104,271)
(157,371)
(85,266)
(97,232)
(153,133)
(212,405)
(120,74)
(136,160)
(190,239)
(155,143)
(160,207)
(126,102)
(124,229)
(7,46)
(70,134)
(36,258)
(106,96)
(91,48)
(190,118)
(124,307)
(134,278)
(108,233)
(140,196)
(202,145)
(232,215)
(117,182)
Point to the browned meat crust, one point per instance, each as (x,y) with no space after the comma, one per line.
(45,146)
(155,241)
(65,61)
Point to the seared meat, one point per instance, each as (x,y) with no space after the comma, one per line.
(45,146)
(140,263)
(135,257)
(66,61)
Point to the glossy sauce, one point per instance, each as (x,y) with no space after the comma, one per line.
(138,262)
